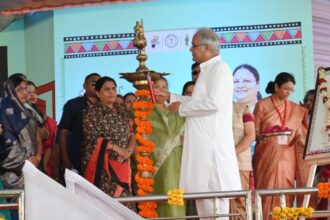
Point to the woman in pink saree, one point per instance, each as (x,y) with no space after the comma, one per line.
(278,159)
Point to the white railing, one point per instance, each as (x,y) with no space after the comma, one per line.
(196,196)
(19,204)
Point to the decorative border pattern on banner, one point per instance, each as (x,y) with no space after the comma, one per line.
(258,35)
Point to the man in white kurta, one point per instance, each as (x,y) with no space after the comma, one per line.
(209,160)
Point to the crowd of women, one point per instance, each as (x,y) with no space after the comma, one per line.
(108,143)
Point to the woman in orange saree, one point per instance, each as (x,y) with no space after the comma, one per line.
(277,157)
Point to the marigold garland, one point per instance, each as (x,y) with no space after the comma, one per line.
(147,130)
(145,181)
(145,114)
(143,167)
(144,160)
(175,197)
(323,88)
(324,190)
(142,123)
(148,209)
(289,213)
(144,93)
(144,149)
(143,105)
(143,108)
(147,144)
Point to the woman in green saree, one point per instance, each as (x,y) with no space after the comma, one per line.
(167,135)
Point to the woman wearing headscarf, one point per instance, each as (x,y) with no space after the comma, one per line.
(20,139)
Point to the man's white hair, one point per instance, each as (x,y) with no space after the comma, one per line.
(209,37)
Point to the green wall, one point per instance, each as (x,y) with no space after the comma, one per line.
(39,51)
(39,47)
(14,38)
(30,43)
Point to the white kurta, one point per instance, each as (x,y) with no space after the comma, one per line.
(208,140)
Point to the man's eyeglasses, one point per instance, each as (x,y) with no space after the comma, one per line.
(195,72)
(196,45)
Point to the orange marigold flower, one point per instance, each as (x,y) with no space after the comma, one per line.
(140,192)
(142,93)
(145,114)
(144,160)
(324,190)
(143,167)
(138,122)
(143,105)
(141,130)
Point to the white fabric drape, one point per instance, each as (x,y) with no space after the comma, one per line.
(87,191)
(47,199)
(321,33)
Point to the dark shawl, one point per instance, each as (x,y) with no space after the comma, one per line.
(18,140)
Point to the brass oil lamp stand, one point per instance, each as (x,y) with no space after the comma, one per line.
(143,108)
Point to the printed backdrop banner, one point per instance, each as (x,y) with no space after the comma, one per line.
(180,40)
(270,36)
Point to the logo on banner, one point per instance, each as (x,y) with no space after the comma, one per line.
(171,41)
(187,40)
(155,41)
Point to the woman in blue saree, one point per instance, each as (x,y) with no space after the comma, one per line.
(19,140)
